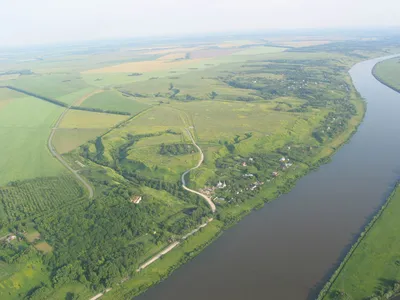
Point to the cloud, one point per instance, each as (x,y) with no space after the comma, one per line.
(43,21)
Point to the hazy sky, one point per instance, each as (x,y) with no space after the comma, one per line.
(46,21)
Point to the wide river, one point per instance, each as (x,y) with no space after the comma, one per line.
(287,249)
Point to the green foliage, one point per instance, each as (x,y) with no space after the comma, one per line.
(176,149)
(23,199)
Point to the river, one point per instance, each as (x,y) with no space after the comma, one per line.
(286,250)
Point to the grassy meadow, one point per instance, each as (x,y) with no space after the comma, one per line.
(388,72)
(113,100)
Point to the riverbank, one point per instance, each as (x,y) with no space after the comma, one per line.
(370,257)
(370,267)
(161,269)
(381,76)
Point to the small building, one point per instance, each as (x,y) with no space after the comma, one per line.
(136,199)
(11,238)
(244,164)
(283,159)
(275,174)
(221,185)
(248,175)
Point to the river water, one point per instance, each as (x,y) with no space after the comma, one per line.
(286,250)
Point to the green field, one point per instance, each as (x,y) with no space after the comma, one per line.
(86,119)
(25,124)
(51,85)
(388,72)
(67,139)
(114,101)
(373,268)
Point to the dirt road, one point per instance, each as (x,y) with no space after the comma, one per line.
(60,159)
(209,201)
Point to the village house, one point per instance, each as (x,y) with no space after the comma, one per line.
(11,238)
(221,185)
(275,174)
(283,159)
(136,199)
(244,164)
(248,175)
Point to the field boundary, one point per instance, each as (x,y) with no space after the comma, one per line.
(354,247)
(61,160)
(63,104)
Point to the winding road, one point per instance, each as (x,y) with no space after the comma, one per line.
(60,159)
(209,201)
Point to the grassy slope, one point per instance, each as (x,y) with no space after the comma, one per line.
(113,100)
(86,119)
(374,264)
(25,125)
(388,73)
(78,127)
(67,139)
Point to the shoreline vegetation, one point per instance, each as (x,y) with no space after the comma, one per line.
(381,78)
(391,287)
(362,235)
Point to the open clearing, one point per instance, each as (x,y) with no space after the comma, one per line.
(67,139)
(25,125)
(87,119)
(43,247)
(113,101)
(22,279)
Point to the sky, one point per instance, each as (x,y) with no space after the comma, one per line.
(25,22)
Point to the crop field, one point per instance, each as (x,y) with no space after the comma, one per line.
(388,71)
(78,127)
(260,50)
(373,268)
(26,198)
(25,125)
(75,98)
(52,86)
(113,100)
(86,119)
(142,66)
(67,139)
